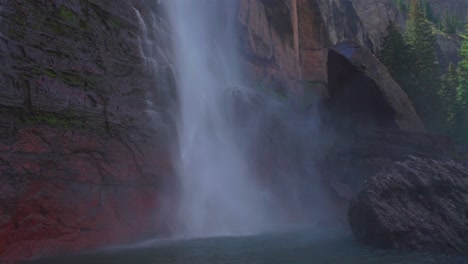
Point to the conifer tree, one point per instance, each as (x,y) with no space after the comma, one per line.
(462,90)
(428,11)
(448,94)
(424,89)
(402,6)
(450,24)
(395,55)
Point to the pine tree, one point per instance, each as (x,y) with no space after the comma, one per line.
(395,55)
(402,6)
(424,89)
(462,90)
(450,24)
(428,11)
(448,94)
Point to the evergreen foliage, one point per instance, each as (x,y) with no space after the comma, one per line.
(447,22)
(462,90)
(423,87)
(442,103)
(396,56)
(448,95)
(401,5)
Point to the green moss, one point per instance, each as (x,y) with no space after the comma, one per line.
(51,73)
(73,79)
(36,69)
(17,32)
(52,119)
(113,23)
(92,80)
(136,92)
(69,16)
(19,19)
(277,95)
(83,24)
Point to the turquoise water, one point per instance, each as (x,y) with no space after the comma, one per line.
(292,248)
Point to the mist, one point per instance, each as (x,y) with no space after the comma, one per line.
(219,194)
(245,157)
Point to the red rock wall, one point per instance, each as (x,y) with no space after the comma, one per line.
(65,190)
(84,158)
(287,41)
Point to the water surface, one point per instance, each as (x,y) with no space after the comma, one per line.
(292,248)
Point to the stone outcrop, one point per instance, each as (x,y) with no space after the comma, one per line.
(362,90)
(294,52)
(286,42)
(83,154)
(415,204)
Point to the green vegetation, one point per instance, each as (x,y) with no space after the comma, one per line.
(461,114)
(396,55)
(271,92)
(411,59)
(51,73)
(441,101)
(447,22)
(448,94)
(51,119)
(72,79)
(69,16)
(423,85)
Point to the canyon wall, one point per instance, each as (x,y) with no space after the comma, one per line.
(85,127)
(83,145)
(290,39)
(286,42)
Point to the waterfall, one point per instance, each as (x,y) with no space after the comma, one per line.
(219,195)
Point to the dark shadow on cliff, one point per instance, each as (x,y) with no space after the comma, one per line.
(370,123)
(355,99)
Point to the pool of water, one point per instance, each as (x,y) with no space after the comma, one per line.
(292,248)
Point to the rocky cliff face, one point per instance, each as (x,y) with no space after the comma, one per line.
(287,40)
(83,153)
(85,132)
(292,37)
(308,52)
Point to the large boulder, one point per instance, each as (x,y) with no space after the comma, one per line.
(416,204)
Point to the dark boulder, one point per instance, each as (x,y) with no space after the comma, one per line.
(416,204)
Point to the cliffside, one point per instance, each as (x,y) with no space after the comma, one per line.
(296,47)
(323,48)
(83,153)
(287,41)
(85,128)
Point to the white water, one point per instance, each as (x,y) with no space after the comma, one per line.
(219,195)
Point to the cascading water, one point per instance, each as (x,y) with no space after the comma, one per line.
(219,195)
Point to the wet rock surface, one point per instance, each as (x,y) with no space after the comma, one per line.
(414,204)
(83,154)
(84,129)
